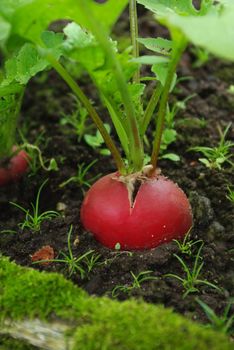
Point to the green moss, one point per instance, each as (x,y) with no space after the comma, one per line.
(101,323)
(7,343)
(28,292)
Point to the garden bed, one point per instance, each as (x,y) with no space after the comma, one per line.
(46,100)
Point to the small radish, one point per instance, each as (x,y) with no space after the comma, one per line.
(18,164)
(157,213)
(5,177)
(16,168)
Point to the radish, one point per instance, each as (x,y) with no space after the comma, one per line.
(18,165)
(16,168)
(5,177)
(135,207)
(115,214)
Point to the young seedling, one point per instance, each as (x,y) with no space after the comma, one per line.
(91,261)
(81,177)
(202,56)
(230,194)
(185,246)
(192,281)
(96,141)
(77,120)
(33,219)
(216,157)
(76,264)
(137,282)
(35,158)
(221,323)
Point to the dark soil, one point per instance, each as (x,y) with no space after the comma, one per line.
(46,99)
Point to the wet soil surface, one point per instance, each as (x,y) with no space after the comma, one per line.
(212,107)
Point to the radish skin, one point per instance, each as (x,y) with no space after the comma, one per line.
(17,167)
(160,213)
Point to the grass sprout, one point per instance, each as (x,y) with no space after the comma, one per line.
(187,244)
(216,157)
(221,323)
(191,281)
(33,219)
(230,194)
(81,177)
(83,264)
(137,281)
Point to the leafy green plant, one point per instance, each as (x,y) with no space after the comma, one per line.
(26,20)
(186,245)
(83,264)
(91,261)
(110,75)
(33,219)
(77,120)
(36,160)
(174,110)
(221,323)
(116,74)
(80,177)
(217,156)
(192,281)
(202,56)
(137,282)
(96,141)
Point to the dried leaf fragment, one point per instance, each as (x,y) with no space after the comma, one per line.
(45,253)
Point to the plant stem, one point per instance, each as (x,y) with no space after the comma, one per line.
(150,108)
(92,112)
(176,55)
(9,115)
(135,143)
(134,36)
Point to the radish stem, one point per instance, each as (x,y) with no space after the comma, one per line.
(92,112)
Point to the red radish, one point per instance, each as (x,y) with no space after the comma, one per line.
(17,167)
(5,177)
(159,213)
(18,164)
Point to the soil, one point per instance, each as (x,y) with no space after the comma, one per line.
(46,100)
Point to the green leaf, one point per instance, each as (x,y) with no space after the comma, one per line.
(162,7)
(150,60)
(8,7)
(159,45)
(53,165)
(76,37)
(205,162)
(24,65)
(51,39)
(82,47)
(118,126)
(34,16)
(160,70)
(171,156)
(5,29)
(213,31)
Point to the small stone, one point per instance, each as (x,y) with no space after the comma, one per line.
(61,206)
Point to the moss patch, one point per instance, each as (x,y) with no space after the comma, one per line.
(7,343)
(100,323)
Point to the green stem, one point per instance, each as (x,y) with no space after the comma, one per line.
(151,108)
(8,121)
(92,112)
(134,35)
(135,143)
(176,55)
